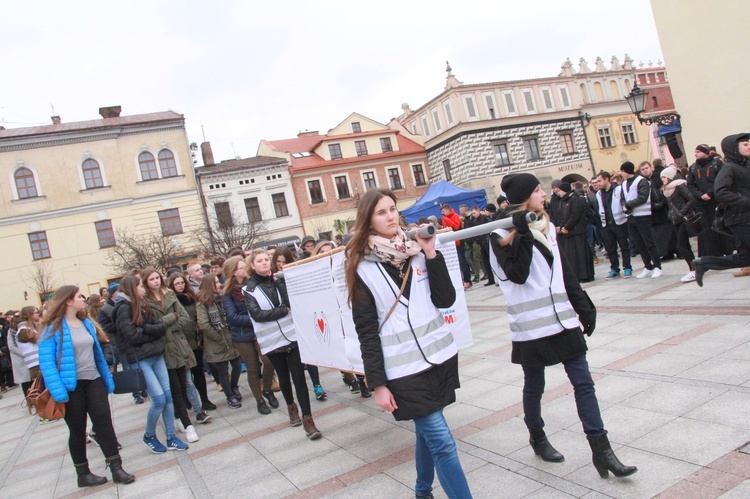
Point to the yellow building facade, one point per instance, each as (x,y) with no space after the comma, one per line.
(69,187)
(615,136)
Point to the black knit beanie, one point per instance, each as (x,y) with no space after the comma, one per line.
(628,168)
(565,187)
(518,187)
(703,148)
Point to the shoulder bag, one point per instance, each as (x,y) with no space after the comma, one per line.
(41,399)
(694,223)
(129,380)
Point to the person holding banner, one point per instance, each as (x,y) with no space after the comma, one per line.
(545,303)
(409,354)
(267,302)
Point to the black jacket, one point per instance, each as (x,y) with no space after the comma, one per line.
(701,177)
(269,286)
(644,189)
(732,185)
(573,213)
(681,202)
(143,341)
(419,394)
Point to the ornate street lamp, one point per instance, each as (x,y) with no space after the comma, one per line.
(637,102)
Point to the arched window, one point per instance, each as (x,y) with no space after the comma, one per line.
(613,90)
(92,174)
(167,163)
(148,166)
(598,92)
(25,184)
(584,95)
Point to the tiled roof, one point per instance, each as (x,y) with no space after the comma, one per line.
(78,126)
(231,165)
(302,143)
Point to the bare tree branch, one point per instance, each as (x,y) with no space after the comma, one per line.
(42,279)
(138,251)
(229,231)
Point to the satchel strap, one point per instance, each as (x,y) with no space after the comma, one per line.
(400,294)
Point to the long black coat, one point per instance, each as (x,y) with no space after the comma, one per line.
(417,395)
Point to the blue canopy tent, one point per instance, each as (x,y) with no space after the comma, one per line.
(443,192)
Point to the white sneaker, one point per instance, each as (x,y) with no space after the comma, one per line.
(689,277)
(190,434)
(644,273)
(656,273)
(178,426)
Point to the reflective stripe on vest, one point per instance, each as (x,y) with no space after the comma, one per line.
(644,209)
(273,334)
(539,307)
(415,336)
(618,213)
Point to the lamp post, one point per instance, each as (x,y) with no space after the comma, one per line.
(637,102)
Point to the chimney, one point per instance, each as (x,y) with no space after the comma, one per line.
(56,120)
(110,112)
(208,154)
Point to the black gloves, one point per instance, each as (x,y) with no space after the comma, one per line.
(588,329)
(520,223)
(588,319)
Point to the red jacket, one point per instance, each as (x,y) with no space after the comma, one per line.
(453,221)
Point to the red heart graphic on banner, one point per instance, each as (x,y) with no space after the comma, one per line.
(321,325)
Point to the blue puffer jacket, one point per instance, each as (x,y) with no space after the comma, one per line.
(64,381)
(238,319)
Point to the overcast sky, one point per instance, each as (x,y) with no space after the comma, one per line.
(247,71)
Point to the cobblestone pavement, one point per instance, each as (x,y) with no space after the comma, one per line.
(672,368)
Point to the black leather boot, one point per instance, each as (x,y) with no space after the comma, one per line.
(271,399)
(119,475)
(86,478)
(604,459)
(542,447)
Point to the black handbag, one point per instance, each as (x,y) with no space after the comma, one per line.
(128,380)
(694,223)
(718,225)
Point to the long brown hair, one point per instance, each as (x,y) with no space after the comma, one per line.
(207,290)
(95,304)
(228,269)
(281,251)
(58,305)
(138,306)
(188,288)
(145,273)
(355,248)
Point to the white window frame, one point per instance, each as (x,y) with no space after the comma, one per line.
(14,187)
(599,128)
(414,129)
(622,130)
(524,93)
(507,150)
(362,178)
(176,160)
(435,112)
(414,178)
(470,97)
(496,112)
(86,157)
(542,90)
(348,184)
(448,113)
(400,176)
(512,94)
(138,164)
(307,188)
(425,126)
(563,90)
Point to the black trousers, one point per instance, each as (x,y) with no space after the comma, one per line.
(617,235)
(178,387)
(199,375)
(485,250)
(642,234)
(227,383)
(89,397)
(289,368)
(684,250)
(736,260)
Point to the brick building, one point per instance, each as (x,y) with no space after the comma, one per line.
(329,172)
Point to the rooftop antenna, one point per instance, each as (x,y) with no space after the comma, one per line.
(53,109)
(234,152)
(204,133)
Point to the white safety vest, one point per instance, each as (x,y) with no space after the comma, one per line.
(618,211)
(539,307)
(273,334)
(415,336)
(643,210)
(29,351)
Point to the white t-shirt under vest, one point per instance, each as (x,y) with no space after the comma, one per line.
(415,336)
(273,334)
(539,307)
(631,194)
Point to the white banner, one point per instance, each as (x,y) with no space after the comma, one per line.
(318,297)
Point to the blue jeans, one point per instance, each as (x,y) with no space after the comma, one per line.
(192,393)
(157,385)
(585,395)
(436,449)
